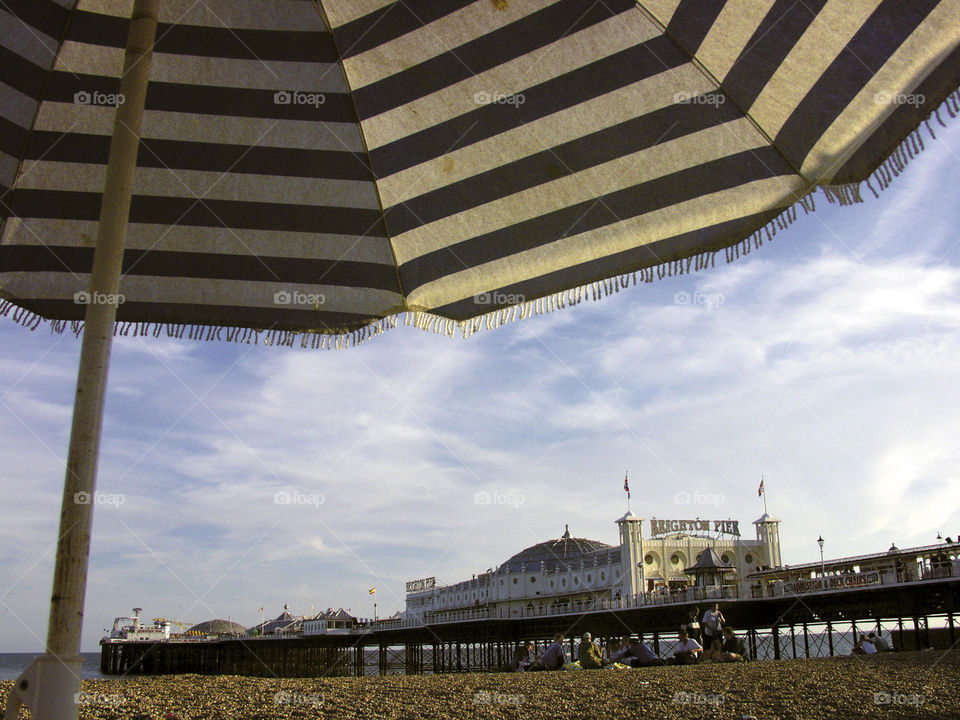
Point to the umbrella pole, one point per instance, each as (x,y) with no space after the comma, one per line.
(50,686)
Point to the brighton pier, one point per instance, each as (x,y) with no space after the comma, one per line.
(573,585)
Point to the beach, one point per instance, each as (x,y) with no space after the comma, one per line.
(892,685)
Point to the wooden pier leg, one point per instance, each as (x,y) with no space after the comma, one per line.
(921,630)
(830,636)
(793,641)
(953,639)
(776,642)
(806,641)
(752,635)
(903,645)
(656,643)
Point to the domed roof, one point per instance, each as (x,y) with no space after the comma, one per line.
(217,627)
(564,551)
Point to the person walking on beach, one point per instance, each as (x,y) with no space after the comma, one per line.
(692,624)
(688,650)
(712,625)
(589,654)
(553,658)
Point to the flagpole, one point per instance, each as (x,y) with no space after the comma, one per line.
(49,686)
(764,495)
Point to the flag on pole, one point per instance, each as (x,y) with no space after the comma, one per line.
(372,591)
(760,490)
(626,484)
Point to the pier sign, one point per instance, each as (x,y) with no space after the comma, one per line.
(724,527)
(832,582)
(423,584)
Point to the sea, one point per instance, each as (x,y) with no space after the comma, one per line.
(12,664)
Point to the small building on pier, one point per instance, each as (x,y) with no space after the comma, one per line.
(330,622)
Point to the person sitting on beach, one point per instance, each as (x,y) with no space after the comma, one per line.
(553,658)
(692,624)
(611,651)
(732,649)
(523,657)
(863,647)
(625,655)
(589,654)
(714,651)
(688,650)
(642,655)
(879,642)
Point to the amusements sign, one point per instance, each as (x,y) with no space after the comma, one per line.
(724,527)
(424,584)
(832,582)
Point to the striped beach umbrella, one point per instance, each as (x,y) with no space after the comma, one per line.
(311,172)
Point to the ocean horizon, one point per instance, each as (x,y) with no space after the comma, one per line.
(12,664)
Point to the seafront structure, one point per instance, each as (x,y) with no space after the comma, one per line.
(647,583)
(570,572)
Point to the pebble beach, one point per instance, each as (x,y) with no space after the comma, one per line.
(894,685)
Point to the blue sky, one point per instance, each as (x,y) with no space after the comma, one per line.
(826,361)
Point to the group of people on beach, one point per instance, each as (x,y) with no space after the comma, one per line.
(871,643)
(719,644)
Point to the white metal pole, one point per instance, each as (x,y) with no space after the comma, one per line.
(51,685)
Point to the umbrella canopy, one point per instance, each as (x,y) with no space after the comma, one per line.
(324,166)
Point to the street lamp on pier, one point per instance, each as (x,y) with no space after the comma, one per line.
(823,570)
